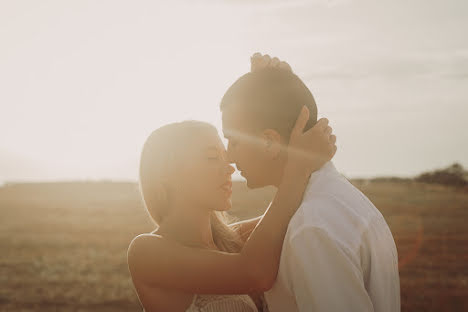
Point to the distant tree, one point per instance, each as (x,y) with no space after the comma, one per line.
(454,175)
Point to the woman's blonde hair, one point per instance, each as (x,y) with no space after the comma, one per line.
(160,151)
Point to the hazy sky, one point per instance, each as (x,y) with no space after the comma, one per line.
(82,83)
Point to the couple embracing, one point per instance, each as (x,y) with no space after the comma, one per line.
(321,244)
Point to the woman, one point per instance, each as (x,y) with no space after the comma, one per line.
(194,261)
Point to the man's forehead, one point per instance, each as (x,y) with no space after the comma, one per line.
(238,133)
(229,123)
(234,129)
(234,120)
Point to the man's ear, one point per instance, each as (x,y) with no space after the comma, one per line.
(271,141)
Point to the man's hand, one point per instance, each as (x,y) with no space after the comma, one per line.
(259,61)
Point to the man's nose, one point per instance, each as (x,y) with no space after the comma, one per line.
(231,169)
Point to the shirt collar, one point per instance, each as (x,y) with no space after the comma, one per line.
(327,168)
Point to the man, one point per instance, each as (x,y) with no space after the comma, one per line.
(338,253)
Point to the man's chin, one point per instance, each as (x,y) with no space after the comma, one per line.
(253,185)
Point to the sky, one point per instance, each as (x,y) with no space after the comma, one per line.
(83,83)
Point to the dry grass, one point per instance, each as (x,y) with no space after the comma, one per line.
(64,245)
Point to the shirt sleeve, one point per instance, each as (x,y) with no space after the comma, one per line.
(324,276)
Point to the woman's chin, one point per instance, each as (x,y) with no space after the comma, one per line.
(225,206)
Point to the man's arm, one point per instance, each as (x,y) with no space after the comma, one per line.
(324,275)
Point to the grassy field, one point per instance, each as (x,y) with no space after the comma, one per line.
(63,245)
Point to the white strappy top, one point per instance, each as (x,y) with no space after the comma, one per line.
(226,303)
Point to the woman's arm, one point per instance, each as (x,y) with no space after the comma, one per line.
(157,262)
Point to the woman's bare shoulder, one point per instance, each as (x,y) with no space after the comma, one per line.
(145,242)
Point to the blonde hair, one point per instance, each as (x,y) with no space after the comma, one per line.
(160,150)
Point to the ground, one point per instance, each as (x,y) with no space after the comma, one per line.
(64,244)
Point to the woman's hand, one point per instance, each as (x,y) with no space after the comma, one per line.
(259,61)
(310,150)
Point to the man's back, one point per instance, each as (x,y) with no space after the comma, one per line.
(338,254)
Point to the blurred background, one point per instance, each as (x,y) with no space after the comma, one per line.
(82,84)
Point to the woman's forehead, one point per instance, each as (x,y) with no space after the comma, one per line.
(208,141)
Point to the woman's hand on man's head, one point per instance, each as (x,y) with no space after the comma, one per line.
(310,150)
(259,61)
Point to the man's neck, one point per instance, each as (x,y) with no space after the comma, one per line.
(277,173)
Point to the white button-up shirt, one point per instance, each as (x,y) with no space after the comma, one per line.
(338,253)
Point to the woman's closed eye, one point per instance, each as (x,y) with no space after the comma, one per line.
(232,143)
(213,157)
(215,154)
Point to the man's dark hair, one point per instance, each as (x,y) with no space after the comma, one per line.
(272,98)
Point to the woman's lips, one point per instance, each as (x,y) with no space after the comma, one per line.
(227,187)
